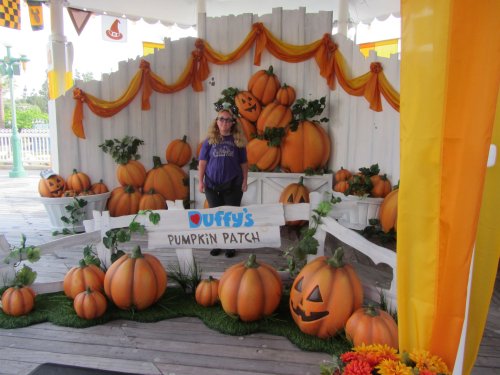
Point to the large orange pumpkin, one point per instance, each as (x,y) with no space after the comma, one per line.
(324,295)
(136,281)
(78,181)
(152,201)
(248,105)
(179,152)
(52,187)
(285,95)
(124,201)
(370,325)
(261,154)
(307,147)
(250,290)
(207,292)
(99,187)
(18,301)
(167,179)
(78,279)
(132,173)
(264,85)
(90,304)
(294,193)
(274,115)
(388,212)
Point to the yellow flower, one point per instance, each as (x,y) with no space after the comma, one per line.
(391,367)
(424,360)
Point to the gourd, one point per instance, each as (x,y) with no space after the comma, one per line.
(124,201)
(152,201)
(99,187)
(370,325)
(78,181)
(52,187)
(324,295)
(178,152)
(135,281)
(285,95)
(166,179)
(248,105)
(388,212)
(264,85)
(294,193)
(80,278)
(250,290)
(90,304)
(207,292)
(18,300)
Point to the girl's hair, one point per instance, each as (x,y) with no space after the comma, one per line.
(214,136)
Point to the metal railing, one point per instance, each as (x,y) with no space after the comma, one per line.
(35,144)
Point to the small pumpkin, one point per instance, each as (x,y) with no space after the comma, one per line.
(286,95)
(274,115)
(167,179)
(370,325)
(295,193)
(152,201)
(207,292)
(179,152)
(250,290)
(135,281)
(52,187)
(124,201)
(342,175)
(131,173)
(263,155)
(264,85)
(341,186)
(388,212)
(90,304)
(324,295)
(99,187)
(78,181)
(80,278)
(248,105)
(18,300)
(381,186)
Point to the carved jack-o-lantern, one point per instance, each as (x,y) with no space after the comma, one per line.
(324,295)
(52,187)
(248,105)
(294,193)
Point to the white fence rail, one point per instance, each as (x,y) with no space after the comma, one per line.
(35,146)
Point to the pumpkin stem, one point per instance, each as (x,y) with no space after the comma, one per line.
(88,290)
(75,171)
(129,189)
(301,181)
(372,310)
(210,278)
(270,70)
(251,262)
(156,162)
(136,252)
(336,260)
(184,139)
(82,263)
(152,191)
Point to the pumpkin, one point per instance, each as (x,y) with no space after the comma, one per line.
(207,292)
(124,201)
(370,325)
(285,95)
(381,186)
(294,193)
(167,179)
(132,173)
(152,201)
(261,154)
(388,212)
(248,128)
(274,115)
(135,281)
(307,147)
(78,181)
(250,290)
(264,85)
(248,105)
(18,300)
(342,175)
(178,152)
(324,295)
(78,279)
(99,187)
(341,186)
(52,187)
(90,304)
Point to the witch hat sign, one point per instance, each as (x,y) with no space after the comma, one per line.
(114,29)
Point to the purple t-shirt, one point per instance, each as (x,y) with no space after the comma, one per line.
(223,161)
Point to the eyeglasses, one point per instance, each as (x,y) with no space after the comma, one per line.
(227,120)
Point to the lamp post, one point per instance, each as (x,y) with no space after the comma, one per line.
(9,66)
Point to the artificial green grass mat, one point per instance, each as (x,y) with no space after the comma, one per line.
(58,309)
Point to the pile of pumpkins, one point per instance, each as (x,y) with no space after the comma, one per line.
(77,184)
(266,104)
(325,297)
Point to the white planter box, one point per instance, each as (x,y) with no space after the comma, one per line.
(355,212)
(55,209)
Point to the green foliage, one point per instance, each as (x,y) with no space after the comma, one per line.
(124,150)
(90,256)
(187,281)
(303,110)
(25,276)
(273,136)
(76,212)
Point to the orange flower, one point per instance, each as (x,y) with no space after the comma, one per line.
(357,367)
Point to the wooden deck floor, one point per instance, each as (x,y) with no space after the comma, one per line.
(175,346)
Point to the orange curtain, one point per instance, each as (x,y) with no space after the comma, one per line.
(371,85)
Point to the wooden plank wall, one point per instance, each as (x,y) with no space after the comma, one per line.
(360,136)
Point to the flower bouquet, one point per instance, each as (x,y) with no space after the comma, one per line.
(385,360)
